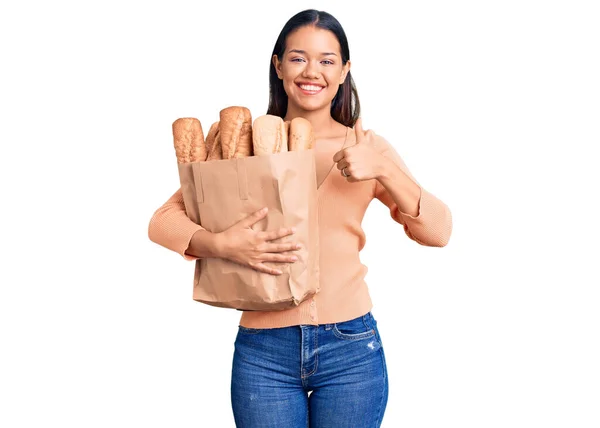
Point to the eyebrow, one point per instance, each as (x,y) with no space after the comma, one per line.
(304,52)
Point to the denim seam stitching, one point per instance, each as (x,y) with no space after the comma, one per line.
(249,330)
(358,336)
(316,357)
(366,322)
(379,415)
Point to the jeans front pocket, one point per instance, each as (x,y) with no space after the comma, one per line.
(358,328)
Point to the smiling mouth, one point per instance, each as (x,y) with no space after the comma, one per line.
(310,89)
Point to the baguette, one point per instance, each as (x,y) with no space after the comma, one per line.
(216,152)
(235,130)
(188,140)
(269,135)
(210,137)
(301,135)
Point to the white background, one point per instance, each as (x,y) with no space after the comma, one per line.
(494,106)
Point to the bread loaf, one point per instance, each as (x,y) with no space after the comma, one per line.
(301,136)
(210,137)
(216,152)
(269,135)
(235,131)
(188,140)
(213,143)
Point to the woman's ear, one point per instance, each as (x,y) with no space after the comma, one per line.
(277,66)
(345,71)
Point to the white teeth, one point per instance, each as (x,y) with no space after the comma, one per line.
(311,88)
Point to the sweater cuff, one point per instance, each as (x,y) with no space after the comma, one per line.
(433,225)
(190,233)
(418,216)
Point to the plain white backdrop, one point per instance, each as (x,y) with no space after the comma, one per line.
(494,107)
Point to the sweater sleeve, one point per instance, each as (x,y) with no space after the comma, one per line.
(171,228)
(433,224)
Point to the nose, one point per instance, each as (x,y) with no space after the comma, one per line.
(311,71)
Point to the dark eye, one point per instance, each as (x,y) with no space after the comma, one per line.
(294,59)
(327,61)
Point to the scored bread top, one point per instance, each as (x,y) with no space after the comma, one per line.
(235,131)
(216,151)
(210,137)
(188,140)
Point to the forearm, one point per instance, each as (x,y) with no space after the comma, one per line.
(204,244)
(426,219)
(404,191)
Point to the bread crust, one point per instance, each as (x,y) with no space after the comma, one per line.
(269,135)
(188,140)
(301,136)
(235,130)
(216,152)
(210,137)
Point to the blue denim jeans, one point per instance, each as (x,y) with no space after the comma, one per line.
(341,365)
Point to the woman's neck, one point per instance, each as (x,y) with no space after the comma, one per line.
(323,124)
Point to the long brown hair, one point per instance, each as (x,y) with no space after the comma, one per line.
(345,107)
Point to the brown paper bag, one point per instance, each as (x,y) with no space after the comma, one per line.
(219,193)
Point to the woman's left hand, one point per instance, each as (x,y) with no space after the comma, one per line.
(361,161)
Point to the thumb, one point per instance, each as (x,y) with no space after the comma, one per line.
(358,130)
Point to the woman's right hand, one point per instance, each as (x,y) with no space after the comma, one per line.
(248,247)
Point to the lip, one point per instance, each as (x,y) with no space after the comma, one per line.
(309,92)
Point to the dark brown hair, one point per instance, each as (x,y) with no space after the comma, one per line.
(345,107)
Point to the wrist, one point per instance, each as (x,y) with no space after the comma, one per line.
(219,245)
(385,169)
(205,244)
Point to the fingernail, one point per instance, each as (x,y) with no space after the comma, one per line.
(293,230)
(298,246)
(264,210)
(294,258)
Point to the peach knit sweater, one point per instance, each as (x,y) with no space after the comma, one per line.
(344,294)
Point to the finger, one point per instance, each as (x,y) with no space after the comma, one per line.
(343,164)
(348,174)
(280,248)
(280,258)
(266,269)
(358,130)
(255,217)
(276,234)
(370,136)
(351,179)
(339,155)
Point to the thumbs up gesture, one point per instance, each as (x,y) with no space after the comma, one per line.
(361,161)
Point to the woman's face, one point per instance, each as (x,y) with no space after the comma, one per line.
(311,68)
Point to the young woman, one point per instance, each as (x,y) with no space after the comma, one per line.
(329,345)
